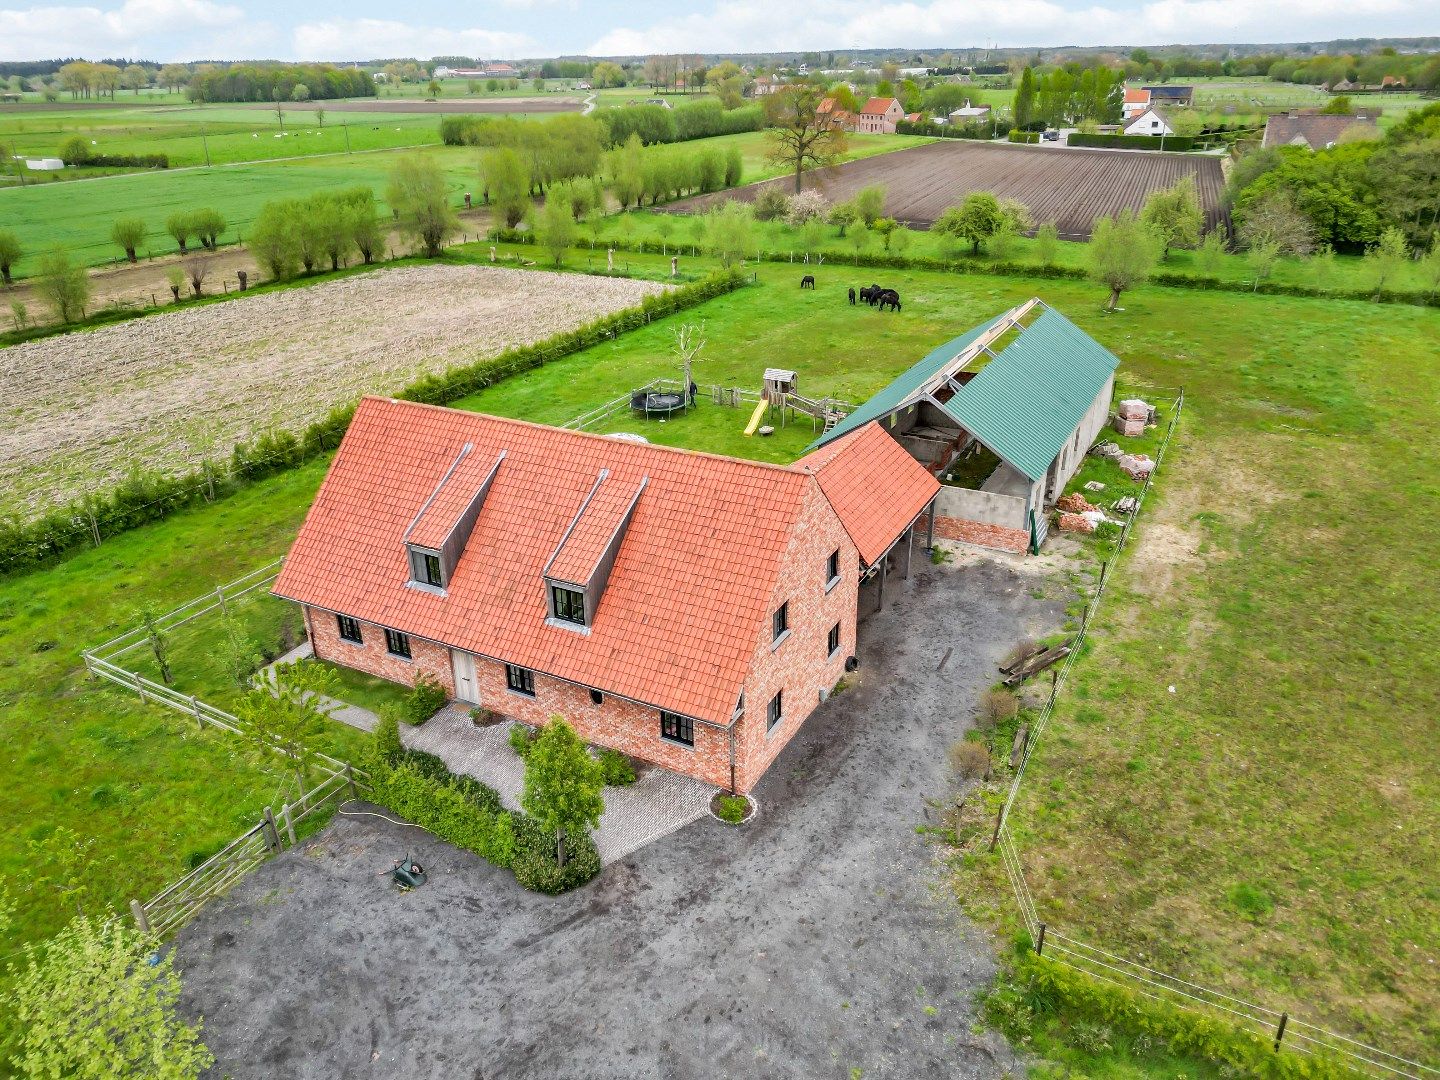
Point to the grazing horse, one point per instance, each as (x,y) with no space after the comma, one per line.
(852,295)
(869,293)
(888,296)
(808,279)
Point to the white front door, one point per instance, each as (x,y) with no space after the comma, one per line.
(462,664)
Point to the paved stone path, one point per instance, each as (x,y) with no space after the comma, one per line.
(658,803)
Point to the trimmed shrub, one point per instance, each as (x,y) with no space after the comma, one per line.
(454,810)
(385,744)
(431,766)
(1134,142)
(616,768)
(1024,136)
(534,858)
(426,698)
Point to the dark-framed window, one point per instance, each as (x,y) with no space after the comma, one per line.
(776,710)
(349,629)
(520,679)
(568,604)
(597,697)
(832,643)
(677,728)
(780,621)
(397,643)
(431,566)
(832,566)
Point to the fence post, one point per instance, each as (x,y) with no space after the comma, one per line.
(999,821)
(220,597)
(195,709)
(272,834)
(141,920)
(1040,945)
(289,824)
(1280,1031)
(139,686)
(350,779)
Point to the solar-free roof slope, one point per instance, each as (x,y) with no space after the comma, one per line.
(875,486)
(1026,402)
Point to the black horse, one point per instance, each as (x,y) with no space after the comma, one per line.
(888,296)
(871,294)
(852,296)
(808,279)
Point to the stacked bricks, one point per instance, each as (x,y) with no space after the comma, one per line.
(995,537)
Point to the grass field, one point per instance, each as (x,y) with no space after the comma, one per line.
(77,216)
(1263,828)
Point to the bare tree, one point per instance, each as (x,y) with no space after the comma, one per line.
(196,270)
(801,135)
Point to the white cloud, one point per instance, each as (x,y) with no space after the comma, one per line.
(754,26)
(355,39)
(37,32)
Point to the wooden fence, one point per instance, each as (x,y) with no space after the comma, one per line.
(175,905)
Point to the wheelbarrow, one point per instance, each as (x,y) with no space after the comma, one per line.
(408,874)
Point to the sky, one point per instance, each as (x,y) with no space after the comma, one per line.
(177,30)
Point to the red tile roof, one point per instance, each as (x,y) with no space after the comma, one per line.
(1139,96)
(875,486)
(438,516)
(686,600)
(595,526)
(877,106)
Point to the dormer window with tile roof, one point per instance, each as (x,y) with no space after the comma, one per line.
(437,536)
(576,575)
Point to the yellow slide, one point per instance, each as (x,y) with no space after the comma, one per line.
(756,417)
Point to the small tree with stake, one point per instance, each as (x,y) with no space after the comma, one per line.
(563,784)
(287,711)
(155,638)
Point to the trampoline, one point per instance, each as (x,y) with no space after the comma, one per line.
(657,404)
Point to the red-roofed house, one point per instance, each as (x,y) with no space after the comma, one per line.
(878,116)
(687,609)
(1135,102)
(830,112)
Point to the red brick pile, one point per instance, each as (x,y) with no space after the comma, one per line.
(1075,523)
(1075,503)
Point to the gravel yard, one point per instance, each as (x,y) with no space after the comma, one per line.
(163,392)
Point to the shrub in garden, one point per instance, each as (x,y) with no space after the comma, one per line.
(454,809)
(431,766)
(616,768)
(385,745)
(522,738)
(771,204)
(426,698)
(970,760)
(534,859)
(731,809)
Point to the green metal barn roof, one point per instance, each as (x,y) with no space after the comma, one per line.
(905,387)
(1026,403)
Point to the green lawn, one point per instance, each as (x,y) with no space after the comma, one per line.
(1262,829)
(367,691)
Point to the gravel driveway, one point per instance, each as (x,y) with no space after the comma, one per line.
(810,943)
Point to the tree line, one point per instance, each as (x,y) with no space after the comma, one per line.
(277,82)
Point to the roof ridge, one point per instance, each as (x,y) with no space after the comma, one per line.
(680,450)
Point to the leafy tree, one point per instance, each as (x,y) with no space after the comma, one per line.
(418,195)
(842,216)
(300,93)
(860,240)
(884,228)
(563,784)
(1387,259)
(1339,105)
(287,712)
(1174,216)
(555,231)
(196,270)
(607,73)
(729,232)
(1276,220)
(1407,178)
(358,212)
(64,286)
(320,115)
(127,232)
(75,150)
(870,203)
(208,225)
(978,218)
(10,253)
(1211,257)
(506,183)
(1261,256)
(1047,243)
(434,89)
(274,237)
(181,226)
(899,239)
(1024,108)
(385,742)
(800,137)
(1122,254)
(239,655)
(100,1000)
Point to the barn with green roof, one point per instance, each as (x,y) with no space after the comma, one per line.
(1003,416)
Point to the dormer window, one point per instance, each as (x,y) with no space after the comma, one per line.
(567,604)
(431,567)
(426,567)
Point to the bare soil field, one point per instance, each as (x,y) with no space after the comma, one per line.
(547,104)
(1069,187)
(164,392)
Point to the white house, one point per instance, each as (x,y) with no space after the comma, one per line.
(1151,122)
(970,114)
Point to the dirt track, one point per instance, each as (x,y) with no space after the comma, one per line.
(163,392)
(1069,187)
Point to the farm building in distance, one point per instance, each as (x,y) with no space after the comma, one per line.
(687,609)
(1153,121)
(1315,130)
(1003,414)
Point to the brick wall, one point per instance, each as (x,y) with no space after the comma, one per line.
(989,536)
(799,665)
(372,656)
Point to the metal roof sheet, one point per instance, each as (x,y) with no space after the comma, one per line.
(906,386)
(1025,404)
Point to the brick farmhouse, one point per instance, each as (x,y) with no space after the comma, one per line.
(687,609)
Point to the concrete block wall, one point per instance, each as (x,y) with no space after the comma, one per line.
(799,665)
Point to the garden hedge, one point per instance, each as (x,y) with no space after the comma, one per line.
(145,497)
(1177,143)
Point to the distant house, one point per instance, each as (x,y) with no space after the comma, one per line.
(970,114)
(499,71)
(1316,130)
(830,114)
(764,86)
(879,116)
(1152,121)
(915,118)
(1342,86)
(1136,101)
(1171,95)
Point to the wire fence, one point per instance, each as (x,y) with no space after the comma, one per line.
(1278,1026)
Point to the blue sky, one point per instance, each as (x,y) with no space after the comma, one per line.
(361,29)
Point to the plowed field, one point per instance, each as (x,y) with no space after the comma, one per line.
(1069,187)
